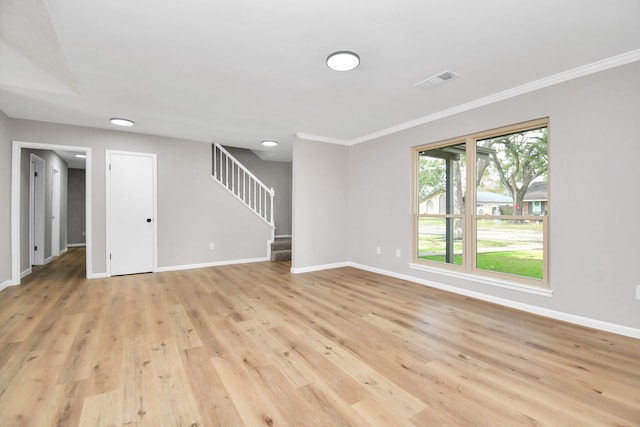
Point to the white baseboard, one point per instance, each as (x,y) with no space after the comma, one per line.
(6,284)
(283,236)
(47,260)
(76,245)
(320,267)
(191,266)
(26,272)
(64,251)
(553,314)
(210,264)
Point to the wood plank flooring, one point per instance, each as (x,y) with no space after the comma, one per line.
(252,345)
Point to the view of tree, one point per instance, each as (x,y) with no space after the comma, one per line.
(505,168)
(431,175)
(482,162)
(519,159)
(505,164)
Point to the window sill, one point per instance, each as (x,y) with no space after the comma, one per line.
(484,280)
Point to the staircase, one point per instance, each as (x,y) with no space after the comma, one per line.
(281,249)
(250,191)
(244,185)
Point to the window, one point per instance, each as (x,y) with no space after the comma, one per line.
(482,203)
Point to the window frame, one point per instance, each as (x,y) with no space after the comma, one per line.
(470,216)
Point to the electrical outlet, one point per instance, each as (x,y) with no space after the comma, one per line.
(212,246)
(638,292)
(378,250)
(398,253)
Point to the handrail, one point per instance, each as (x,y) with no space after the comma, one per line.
(243,184)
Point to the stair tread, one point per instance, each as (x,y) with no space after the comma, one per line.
(281,255)
(281,249)
(281,244)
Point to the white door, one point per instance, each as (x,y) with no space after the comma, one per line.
(131,212)
(36,210)
(55,213)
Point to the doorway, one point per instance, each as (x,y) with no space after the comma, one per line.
(20,242)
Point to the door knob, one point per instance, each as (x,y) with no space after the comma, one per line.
(148,219)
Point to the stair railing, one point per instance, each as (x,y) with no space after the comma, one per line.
(244,185)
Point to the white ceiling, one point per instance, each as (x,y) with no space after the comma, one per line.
(237,72)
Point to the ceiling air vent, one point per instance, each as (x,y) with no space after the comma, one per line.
(436,80)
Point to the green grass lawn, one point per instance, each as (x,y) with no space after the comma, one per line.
(432,243)
(491,224)
(508,257)
(519,263)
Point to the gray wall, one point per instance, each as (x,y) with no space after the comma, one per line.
(594,150)
(193,210)
(51,160)
(594,147)
(320,233)
(76,207)
(276,175)
(5,200)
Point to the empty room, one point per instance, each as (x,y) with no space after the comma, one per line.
(244,213)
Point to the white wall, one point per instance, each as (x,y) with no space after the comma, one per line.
(193,210)
(319,204)
(594,150)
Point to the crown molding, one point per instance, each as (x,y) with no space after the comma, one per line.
(585,70)
(574,73)
(319,138)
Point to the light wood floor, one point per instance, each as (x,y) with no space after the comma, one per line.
(252,345)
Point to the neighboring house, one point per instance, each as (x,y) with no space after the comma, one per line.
(434,203)
(488,203)
(535,200)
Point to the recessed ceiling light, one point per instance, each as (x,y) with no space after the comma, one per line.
(122,122)
(81,156)
(269,143)
(343,61)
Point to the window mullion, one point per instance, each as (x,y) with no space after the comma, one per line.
(470,206)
